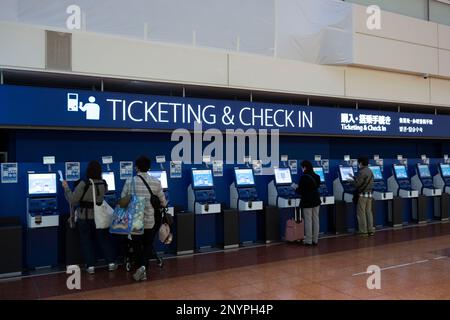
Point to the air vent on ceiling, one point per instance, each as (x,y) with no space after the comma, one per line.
(59,51)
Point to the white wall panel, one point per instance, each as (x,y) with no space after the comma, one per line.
(444,63)
(22,46)
(285,75)
(444,37)
(440,92)
(127,58)
(388,86)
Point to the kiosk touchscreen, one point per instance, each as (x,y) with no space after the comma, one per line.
(323,190)
(244,177)
(400,184)
(319,172)
(110,180)
(41,184)
(282,176)
(380,190)
(423,181)
(281,192)
(342,186)
(442,179)
(161,176)
(201,194)
(243,194)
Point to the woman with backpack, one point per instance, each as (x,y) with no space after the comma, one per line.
(308,189)
(82,197)
(143,244)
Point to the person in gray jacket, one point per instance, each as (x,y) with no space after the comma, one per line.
(82,197)
(363,183)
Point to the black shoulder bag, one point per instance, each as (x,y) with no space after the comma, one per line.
(160,211)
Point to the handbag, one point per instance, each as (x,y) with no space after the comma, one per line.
(129,220)
(102,213)
(164,234)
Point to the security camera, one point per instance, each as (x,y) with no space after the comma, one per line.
(425,75)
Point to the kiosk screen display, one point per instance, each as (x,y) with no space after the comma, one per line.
(445,169)
(110,180)
(41,183)
(424,171)
(346,173)
(161,176)
(376,170)
(319,172)
(400,172)
(283,176)
(244,177)
(202,178)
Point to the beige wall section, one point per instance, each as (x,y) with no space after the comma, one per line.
(22,46)
(444,37)
(397,27)
(138,59)
(440,92)
(388,86)
(444,63)
(391,54)
(255,72)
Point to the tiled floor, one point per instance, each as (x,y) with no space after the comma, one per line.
(414,262)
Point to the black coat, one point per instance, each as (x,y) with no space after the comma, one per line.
(308,189)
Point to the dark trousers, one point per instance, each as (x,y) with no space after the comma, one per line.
(88,235)
(143,246)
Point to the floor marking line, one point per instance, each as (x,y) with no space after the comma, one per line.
(400,265)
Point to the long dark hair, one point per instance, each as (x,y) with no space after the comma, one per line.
(94,170)
(308,166)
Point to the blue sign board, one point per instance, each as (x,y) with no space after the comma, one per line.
(77,109)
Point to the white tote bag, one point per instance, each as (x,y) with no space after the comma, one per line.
(103,213)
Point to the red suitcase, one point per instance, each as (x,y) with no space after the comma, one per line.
(295,228)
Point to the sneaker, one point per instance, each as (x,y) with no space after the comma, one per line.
(159,262)
(140,274)
(112,266)
(90,270)
(315,244)
(362,234)
(371,234)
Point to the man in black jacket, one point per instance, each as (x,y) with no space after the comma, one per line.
(308,189)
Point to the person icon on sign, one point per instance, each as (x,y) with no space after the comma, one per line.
(92,109)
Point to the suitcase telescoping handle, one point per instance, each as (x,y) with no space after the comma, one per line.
(298,214)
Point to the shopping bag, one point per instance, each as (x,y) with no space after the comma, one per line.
(102,213)
(121,221)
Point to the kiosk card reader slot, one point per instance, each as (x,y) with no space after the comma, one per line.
(380,190)
(243,194)
(423,181)
(201,193)
(400,184)
(325,196)
(162,177)
(342,186)
(281,192)
(442,179)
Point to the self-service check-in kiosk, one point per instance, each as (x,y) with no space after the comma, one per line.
(385,199)
(110,196)
(429,196)
(400,184)
(343,190)
(202,202)
(42,220)
(244,198)
(282,195)
(442,181)
(327,206)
